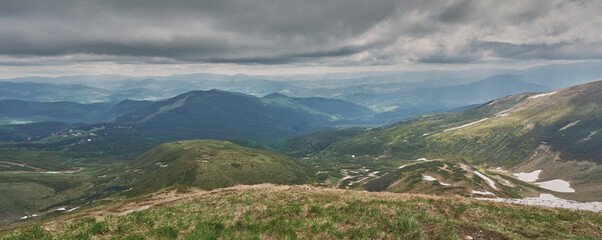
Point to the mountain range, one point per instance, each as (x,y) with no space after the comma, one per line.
(397,95)
(18,111)
(535,147)
(198,114)
(218,114)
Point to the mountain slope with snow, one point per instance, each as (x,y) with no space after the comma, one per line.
(559,132)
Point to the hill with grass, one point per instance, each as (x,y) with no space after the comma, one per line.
(289,212)
(556,132)
(209,164)
(40,177)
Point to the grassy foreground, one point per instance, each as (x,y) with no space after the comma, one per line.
(269,211)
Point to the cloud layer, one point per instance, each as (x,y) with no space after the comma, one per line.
(310,32)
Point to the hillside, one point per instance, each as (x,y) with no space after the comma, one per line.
(333,109)
(17,111)
(21,132)
(279,212)
(222,115)
(209,164)
(439,178)
(556,132)
(126,106)
(39,177)
(312,143)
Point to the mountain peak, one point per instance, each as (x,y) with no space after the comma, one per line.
(275,95)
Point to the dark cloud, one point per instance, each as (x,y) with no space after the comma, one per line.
(459,11)
(336,32)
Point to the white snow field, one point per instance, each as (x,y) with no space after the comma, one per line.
(549,200)
(465,125)
(556,185)
(541,95)
(482,193)
(491,183)
(528,176)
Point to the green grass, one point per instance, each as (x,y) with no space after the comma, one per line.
(210,164)
(499,140)
(506,141)
(303,212)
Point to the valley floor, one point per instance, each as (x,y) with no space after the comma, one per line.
(269,211)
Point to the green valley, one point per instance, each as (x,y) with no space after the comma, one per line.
(93,179)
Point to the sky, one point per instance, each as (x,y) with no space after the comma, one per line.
(159,37)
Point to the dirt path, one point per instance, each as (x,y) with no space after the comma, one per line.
(39,170)
(23,165)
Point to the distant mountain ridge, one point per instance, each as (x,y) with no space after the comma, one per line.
(334,109)
(397,95)
(25,111)
(219,114)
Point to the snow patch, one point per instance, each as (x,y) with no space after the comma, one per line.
(569,125)
(491,183)
(541,95)
(423,159)
(591,134)
(402,166)
(24,217)
(465,125)
(73,209)
(549,200)
(482,193)
(556,185)
(503,113)
(60,209)
(528,176)
(428,178)
(126,212)
(345,178)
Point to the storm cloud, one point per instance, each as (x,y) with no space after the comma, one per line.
(336,32)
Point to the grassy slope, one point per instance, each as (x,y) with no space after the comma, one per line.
(516,127)
(279,212)
(25,190)
(500,139)
(312,143)
(209,164)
